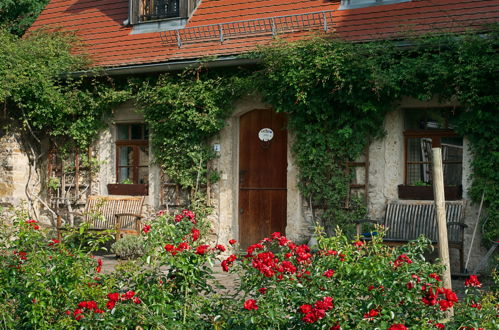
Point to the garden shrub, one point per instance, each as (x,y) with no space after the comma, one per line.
(128,247)
(346,284)
(41,276)
(47,283)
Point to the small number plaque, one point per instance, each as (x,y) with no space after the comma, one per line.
(265,134)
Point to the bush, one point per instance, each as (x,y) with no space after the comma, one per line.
(344,284)
(128,247)
(47,283)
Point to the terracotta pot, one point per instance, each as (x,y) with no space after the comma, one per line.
(128,189)
(452,193)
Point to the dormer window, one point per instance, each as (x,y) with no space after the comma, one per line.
(166,13)
(151,10)
(352,4)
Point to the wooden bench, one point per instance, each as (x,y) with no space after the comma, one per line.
(120,213)
(406,221)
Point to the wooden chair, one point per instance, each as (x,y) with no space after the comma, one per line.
(408,220)
(120,213)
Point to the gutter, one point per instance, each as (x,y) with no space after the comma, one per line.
(164,67)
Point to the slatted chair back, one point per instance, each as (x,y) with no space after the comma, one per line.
(101,211)
(407,221)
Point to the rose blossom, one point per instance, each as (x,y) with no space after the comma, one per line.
(250,304)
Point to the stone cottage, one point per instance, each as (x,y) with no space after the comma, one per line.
(137,37)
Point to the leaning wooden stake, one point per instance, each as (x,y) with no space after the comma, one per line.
(438,192)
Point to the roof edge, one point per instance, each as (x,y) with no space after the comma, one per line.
(164,67)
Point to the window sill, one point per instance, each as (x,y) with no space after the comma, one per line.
(128,189)
(166,24)
(452,193)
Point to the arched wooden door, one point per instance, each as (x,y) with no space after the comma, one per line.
(262,175)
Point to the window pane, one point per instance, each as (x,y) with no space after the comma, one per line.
(122,132)
(137,132)
(125,175)
(143,175)
(126,156)
(419,174)
(144,156)
(453,174)
(419,150)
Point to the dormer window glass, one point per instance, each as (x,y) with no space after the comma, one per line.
(151,10)
(352,4)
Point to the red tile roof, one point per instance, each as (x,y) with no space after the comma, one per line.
(99,24)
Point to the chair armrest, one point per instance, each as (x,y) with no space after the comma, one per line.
(460,224)
(129,215)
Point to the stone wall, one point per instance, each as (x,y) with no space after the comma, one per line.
(14,169)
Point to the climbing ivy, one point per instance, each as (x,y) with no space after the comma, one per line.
(337,95)
(183,112)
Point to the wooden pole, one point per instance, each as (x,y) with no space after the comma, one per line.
(438,192)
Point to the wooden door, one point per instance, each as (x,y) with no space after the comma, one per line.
(262,175)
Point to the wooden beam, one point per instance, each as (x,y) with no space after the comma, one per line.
(438,192)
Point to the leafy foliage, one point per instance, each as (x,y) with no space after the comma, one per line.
(183,113)
(337,95)
(18,15)
(70,111)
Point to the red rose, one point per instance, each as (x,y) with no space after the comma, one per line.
(179,217)
(127,295)
(220,247)
(53,241)
(99,265)
(439,326)
(169,248)
(183,246)
(263,290)
(146,229)
(225,266)
(372,313)
(358,243)
(328,273)
(98,311)
(397,326)
(110,304)
(136,300)
(473,281)
(250,304)
(305,308)
(114,296)
(409,285)
(195,234)
(435,276)
(78,314)
(202,249)
(325,304)
(232,241)
(275,235)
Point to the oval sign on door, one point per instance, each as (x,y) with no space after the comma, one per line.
(265,134)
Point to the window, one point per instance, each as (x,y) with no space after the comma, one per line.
(351,4)
(132,153)
(425,129)
(149,11)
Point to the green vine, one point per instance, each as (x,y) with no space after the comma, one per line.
(183,112)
